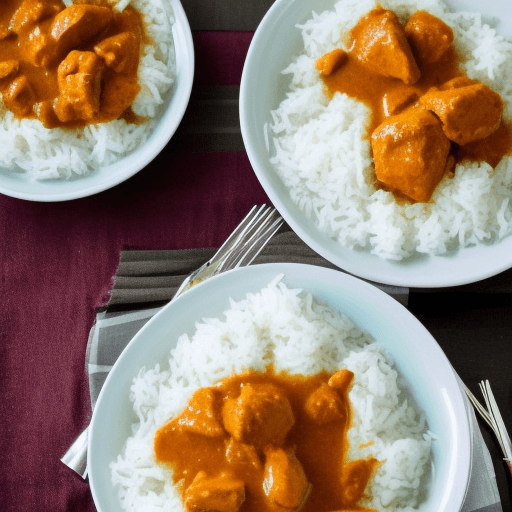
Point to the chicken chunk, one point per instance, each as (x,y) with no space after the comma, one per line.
(19,96)
(467,113)
(355,478)
(261,415)
(379,42)
(399,98)
(78,23)
(31,12)
(202,414)
(41,50)
(341,380)
(240,454)
(8,70)
(410,152)
(325,405)
(79,77)
(220,494)
(285,483)
(331,61)
(5,31)
(120,52)
(117,94)
(46,114)
(428,36)
(455,83)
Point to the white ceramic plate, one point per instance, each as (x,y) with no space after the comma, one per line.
(20,186)
(262,89)
(432,382)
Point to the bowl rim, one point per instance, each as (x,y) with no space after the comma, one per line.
(467,265)
(139,158)
(459,419)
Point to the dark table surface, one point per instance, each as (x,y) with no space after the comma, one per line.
(57,262)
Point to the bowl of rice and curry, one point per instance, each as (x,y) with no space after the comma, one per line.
(383,134)
(281,388)
(91,91)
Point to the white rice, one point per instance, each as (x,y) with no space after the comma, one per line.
(296,333)
(322,150)
(28,147)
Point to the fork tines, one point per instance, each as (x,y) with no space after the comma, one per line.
(249,238)
(493,418)
(254,236)
(498,425)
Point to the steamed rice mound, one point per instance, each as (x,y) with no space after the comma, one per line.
(28,147)
(323,155)
(294,332)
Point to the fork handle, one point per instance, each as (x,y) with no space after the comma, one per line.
(76,456)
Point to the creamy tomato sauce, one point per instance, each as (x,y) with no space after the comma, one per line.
(69,66)
(377,91)
(266,442)
(399,70)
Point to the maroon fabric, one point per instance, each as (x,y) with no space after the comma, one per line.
(56,265)
(232,46)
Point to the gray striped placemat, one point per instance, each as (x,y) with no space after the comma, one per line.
(148,277)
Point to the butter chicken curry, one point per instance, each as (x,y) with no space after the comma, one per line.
(426,114)
(69,66)
(266,442)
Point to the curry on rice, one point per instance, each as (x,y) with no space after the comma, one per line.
(69,66)
(266,442)
(426,114)
(280,402)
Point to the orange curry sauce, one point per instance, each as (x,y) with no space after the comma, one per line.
(359,81)
(213,435)
(36,37)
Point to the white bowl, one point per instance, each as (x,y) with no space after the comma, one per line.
(429,375)
(262,89)
(21,186)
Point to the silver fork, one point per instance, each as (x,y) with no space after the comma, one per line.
(241,247)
